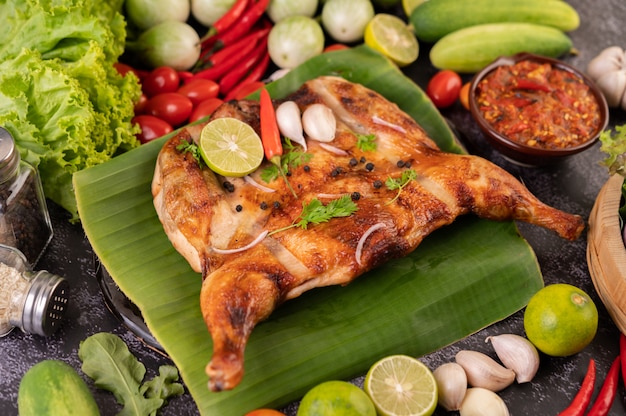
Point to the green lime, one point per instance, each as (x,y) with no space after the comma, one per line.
(230,147)
(391,36)
(409,5)
(560,320)
(336,398)
(401,385)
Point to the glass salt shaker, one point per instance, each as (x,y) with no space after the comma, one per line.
(24,218)
(34,301)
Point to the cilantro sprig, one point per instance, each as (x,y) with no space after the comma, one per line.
(366,142)
(315,212)
(192,148)
(292,158)
(399,183)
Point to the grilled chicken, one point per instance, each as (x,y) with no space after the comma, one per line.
(204,214)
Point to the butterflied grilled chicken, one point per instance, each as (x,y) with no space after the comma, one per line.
(203,213)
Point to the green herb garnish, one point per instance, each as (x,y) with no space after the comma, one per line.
(192,148)
(614,145)
(366,143)
(315,212)
(398,184)
(292,158)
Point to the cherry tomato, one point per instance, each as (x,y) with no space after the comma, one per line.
(160,80)
(464,95)
(123,69)
(185,76)
(265,412)
(335,47)
(140,106)
(443,89)
(151,127)
(172,107)
(199,89)
(205,108)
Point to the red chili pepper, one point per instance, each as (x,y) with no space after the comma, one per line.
(238,29)
(622,354)
(607,393)
(527,84)
(583,397)
(230,16)
(231,79)
(253,77)
(229,53)
(270,135)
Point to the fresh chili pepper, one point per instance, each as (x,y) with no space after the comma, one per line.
(230,17)
(228,54)
(253,77)
(270,135)
(583,397)
(231,79)
(229,60)
(528,84)
(238,29)
(605,398)
(622,354)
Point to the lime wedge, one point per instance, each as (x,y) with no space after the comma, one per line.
(391,36)
(410,5)
(401,385)
(230,147)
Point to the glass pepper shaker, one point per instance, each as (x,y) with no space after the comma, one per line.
(34,301)
(24,218)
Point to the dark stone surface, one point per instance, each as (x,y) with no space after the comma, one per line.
(571,186)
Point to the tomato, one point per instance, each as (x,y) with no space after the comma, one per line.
(464,95)
(172,107)
(198,90)
(151,127)
(140,106)
(443,89)
(335,47)
(265,412)
(123,69)
(160,80)
(205,108)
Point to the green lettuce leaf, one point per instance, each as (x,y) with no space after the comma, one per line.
(60,96)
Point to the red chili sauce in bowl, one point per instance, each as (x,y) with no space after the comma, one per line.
(539,105)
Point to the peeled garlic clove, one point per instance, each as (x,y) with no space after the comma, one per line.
(518,354)
(451,385)
(484,371)
(609,60)
(612,84)
(480,402)
(289,122)
(319,123)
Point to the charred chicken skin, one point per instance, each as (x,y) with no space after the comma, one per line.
(202,212)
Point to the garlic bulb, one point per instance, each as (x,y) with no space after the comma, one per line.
(289,122)
(484,371)
(319,123)
(608,71)
(516,353)
(451,385)
(480,402)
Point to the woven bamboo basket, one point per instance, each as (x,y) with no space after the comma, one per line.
(606,255)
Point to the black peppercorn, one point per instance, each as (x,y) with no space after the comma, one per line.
(239,208)
(229,186)
(263,205)
(369,166)
(378,183)
(355,196)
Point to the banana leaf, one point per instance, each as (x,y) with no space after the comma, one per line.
(462,278)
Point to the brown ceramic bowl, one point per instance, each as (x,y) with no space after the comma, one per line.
(523,153)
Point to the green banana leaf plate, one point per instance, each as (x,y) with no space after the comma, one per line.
(462,278)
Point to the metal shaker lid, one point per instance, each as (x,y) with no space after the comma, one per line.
(9,157)
(46,303)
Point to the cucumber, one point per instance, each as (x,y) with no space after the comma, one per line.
(471,49)
(52,387)
(434,19)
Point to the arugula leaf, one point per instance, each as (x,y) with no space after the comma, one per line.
(107,360)
(393,184)
(315,212)
(366,143)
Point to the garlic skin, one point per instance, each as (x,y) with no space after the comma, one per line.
(608,71)
(516,353)
(451,385)
(319,123)
(484,371)
(289,122)
(480,402)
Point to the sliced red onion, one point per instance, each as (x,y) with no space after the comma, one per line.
(382,122)
(253,243)
(366,234)
(333,149)
(248,179)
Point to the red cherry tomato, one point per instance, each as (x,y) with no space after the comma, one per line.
(335,47)
(160,80)
(198,90)
(205,108)
(172,107)
(151,127)
(140,106)
(265,412)
(123,69)
(443,89)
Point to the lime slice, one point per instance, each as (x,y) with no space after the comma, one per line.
(230,147)
(401,385)
(410,5)
(391,36)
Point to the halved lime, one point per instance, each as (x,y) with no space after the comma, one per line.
(400,385)
(392,37)
(230,147)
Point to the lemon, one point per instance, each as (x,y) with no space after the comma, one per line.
(230,147)
(337,398)
(560,320)
(401,385)
(409,5)
(391,36)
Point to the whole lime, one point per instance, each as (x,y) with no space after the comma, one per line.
(337,398)
(560,320)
